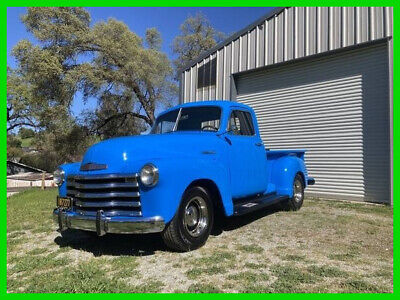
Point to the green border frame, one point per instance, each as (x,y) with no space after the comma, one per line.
(191,3)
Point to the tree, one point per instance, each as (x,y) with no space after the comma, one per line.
(197,36)
(26,133)
(14,149)
(153,38)
(128,77)
(19,112)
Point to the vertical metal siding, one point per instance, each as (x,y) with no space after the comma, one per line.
(212,93)
(220,74)
(227,71)
(296,32)
(193,74)
(338,112)
(293,33)
(235,56)
(289,35)
(252,49)
(300,32)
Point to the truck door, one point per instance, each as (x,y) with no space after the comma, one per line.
(246,154)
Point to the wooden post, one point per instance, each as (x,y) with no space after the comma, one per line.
(43,180)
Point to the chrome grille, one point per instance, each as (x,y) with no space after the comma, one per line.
(114,194)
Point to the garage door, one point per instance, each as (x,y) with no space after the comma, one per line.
(337,108)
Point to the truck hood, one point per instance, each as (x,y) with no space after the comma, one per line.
(124,153)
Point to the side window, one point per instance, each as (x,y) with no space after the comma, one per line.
(241,123)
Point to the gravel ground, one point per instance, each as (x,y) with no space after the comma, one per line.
(327,246)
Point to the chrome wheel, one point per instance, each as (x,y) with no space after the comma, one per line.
(297,191)
(195,219)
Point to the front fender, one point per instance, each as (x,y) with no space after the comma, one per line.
(175,175)
(283,171)
(71,168)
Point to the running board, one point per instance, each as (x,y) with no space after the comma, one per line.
(248,205)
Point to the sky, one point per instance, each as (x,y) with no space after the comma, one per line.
(166,19)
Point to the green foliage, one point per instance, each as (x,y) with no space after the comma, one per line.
(13,141)
(14,149)
(64,144)
(25,133)
(197,36)
(128,76)
(153,38)
(20,110)
(106,61)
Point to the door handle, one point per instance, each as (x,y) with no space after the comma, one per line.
(259,144)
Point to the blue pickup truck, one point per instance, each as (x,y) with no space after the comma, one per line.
(198,159)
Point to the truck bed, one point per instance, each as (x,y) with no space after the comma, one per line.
(275,154)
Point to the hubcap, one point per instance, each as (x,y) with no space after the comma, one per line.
(195,219)
(297,191)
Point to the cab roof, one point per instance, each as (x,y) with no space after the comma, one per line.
(224,104)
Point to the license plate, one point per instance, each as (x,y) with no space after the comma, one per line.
(64,202)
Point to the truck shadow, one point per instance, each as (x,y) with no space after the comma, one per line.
(233,223)
(111,244)
(148,244)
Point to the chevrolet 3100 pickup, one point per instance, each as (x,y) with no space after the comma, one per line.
(199,159)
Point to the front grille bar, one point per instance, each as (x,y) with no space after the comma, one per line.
(114,194)
(95,186)
(104,195)
(107,204)
(103,176)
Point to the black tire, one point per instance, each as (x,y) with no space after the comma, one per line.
(296,201)
(183,233)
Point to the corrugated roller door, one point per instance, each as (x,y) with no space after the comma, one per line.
(337,109)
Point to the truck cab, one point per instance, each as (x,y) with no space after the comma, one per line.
(199,158)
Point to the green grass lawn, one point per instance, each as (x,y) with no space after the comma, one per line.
(325,247)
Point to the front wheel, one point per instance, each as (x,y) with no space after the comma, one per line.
(296,201)
(191,225)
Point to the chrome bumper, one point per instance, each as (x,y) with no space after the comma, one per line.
(101,224)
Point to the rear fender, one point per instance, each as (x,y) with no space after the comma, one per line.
(283,171)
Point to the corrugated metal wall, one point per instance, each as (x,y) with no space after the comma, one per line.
(337,108)
(293,33)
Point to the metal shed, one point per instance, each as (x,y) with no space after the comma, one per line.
(318,78)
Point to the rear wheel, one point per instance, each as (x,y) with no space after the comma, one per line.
(296,201)
(191,226)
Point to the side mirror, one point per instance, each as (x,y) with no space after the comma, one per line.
(225,132)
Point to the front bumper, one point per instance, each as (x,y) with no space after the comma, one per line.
(101,224)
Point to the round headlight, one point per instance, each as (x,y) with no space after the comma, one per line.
(149,175)
(58,176)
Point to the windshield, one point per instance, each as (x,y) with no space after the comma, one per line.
(206,118)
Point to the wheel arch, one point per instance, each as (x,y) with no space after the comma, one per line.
(302,177)
(213,191)
(283,172)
